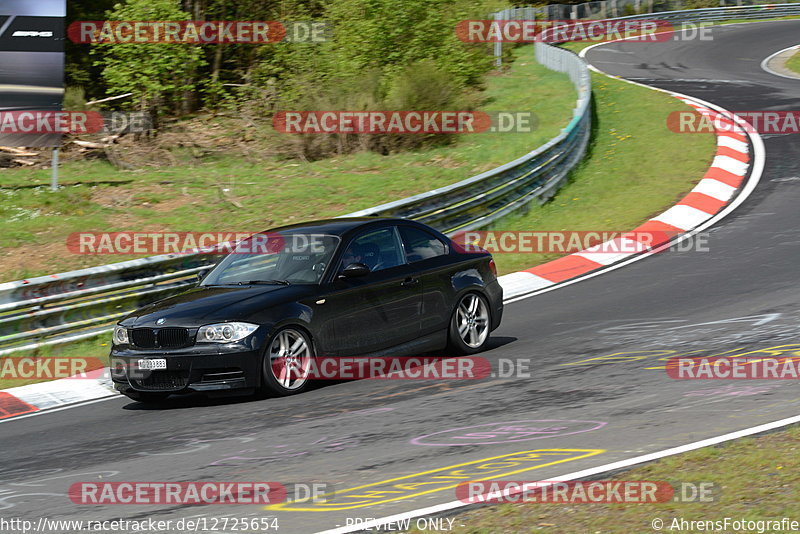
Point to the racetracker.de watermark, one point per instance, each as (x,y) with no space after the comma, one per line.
(194,32)
(734,368)
(763,122)
(569,242)
(390,368)
(177,493)
(560,31)
(403,122)
(73,122)
(101,243)
(50,368)
(585,492)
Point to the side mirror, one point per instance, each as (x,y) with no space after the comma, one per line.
(355,270)
(201,274)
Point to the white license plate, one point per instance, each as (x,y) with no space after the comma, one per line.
(150,365)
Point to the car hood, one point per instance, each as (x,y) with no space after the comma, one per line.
(204,305)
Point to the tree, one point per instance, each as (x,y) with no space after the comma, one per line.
(157,74)
(79,70)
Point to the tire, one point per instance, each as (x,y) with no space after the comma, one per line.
(146,396)
(289,351)
(470,324)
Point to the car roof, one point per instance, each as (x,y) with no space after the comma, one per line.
(342,226)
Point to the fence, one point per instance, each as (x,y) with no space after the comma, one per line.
(70,306)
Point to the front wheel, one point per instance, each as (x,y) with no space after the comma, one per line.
(286,363)
(469,326)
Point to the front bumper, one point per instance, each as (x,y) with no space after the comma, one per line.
(197,368)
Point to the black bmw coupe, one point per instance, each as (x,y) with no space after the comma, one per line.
(331,288)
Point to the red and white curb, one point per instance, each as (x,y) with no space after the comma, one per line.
(33,398)
(709,197)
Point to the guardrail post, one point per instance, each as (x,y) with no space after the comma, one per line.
(54,171)
(498,45)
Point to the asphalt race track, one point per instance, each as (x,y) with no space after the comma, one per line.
(743,293)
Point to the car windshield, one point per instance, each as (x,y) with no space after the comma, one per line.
(275,258)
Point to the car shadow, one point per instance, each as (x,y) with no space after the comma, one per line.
(196,400)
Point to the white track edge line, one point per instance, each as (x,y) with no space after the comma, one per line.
(766,68)
(755,175)
(758,159)
(579,474)
(110,396)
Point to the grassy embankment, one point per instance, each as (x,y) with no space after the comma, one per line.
(262,191)
(635,168)
(754,479)
(258,192)
(794,63)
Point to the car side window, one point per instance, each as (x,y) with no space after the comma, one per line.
(421,245)
(377,249)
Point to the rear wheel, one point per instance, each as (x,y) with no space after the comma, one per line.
(286,363)
(469,326)
(146,396)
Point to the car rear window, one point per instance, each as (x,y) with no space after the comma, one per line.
(421,245)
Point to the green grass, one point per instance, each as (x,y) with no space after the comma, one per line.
(34,223)
(755,479)
(794,63)
(767,19)
(94,347)
(636,168)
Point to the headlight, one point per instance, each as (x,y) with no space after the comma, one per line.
(120,335)
(225,332)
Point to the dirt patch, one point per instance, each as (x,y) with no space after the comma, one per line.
(445,162)
(112,197)
(16,262)
(159,198)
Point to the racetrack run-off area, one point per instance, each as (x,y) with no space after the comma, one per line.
(596,392)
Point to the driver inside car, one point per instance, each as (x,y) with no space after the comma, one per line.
(353,254)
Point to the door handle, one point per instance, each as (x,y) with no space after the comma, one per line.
(409,282)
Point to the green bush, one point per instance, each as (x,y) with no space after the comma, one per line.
(74,98)
(382,54)
(699,4)
(160,76)
(421,86)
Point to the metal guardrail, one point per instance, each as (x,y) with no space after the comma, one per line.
(74,305)
(722,14)
(482,199)
(598,10)
(69,306)
(605,9)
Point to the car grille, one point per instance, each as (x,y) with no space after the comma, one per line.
(163,380)
(172,337)
(165,338)
(143,338)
